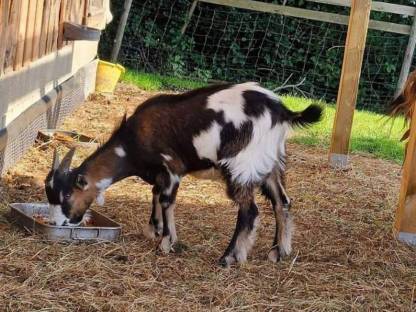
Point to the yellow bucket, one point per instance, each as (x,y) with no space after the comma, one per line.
(108,75)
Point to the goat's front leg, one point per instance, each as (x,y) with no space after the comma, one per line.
(245,231)
(155,226)
(167,200)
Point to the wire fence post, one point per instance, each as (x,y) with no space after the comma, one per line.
(408,58)
(120,30)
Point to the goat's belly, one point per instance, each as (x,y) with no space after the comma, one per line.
(208,174)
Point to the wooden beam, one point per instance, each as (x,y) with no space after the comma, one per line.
(376,6)
(4,25)
(21,35)
(408,58)
(38,30)
(307,14)
(189,16)
(405,223)
(12,33)
(350,78)
(30,28)
(120,30)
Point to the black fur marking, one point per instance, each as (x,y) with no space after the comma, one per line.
(234,140)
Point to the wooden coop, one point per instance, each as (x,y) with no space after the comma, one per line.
(47,66)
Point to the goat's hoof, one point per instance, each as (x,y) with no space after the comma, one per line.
(274,255)
(150,232)
(165,245)
(227,261)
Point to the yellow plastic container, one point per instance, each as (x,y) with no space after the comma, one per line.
(108,75)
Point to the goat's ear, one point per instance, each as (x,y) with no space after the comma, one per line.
(81,182)
(55,161)
(66,162)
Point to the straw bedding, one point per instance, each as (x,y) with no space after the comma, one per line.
(345,258)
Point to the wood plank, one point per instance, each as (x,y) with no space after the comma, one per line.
(51,24)
(30,29)
(86,6)
(189,16)
(405,222)
(4,23)
(38,29)
(62,15)
(67,17)
(408,58)
(307,14)
(21,35)
(45,28)
(120,30)
(56,26)
(12,35)
(350,78)
(375,6)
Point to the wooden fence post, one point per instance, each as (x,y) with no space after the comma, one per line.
(408,58)
(405,223)
(350,78)
(189,16)
(120,30)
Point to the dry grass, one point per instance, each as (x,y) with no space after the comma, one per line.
(344,255)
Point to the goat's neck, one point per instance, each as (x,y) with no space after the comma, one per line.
(106,166)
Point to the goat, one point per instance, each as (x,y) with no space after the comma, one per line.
(238,130)
(404,103)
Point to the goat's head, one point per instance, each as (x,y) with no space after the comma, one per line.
(68,191)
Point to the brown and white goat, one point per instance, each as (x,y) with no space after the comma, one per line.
(240,130)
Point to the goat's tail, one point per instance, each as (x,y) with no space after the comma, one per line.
(404,103)
(312,114)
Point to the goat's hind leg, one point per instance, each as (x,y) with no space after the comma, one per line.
(155,226)
(273,189)
(245,231)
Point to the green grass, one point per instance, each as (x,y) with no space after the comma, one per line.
(372,133)
(154,82)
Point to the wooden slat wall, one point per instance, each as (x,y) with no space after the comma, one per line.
(30,29)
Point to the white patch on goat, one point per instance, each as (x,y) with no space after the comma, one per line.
(56,216)
(245,242)
(285,245)
(231,103)
(168,241)
(259,157)
(166,157)
(51,183)
(61,197)
(208,142)
(102,185)
(174,179)
(120,152)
